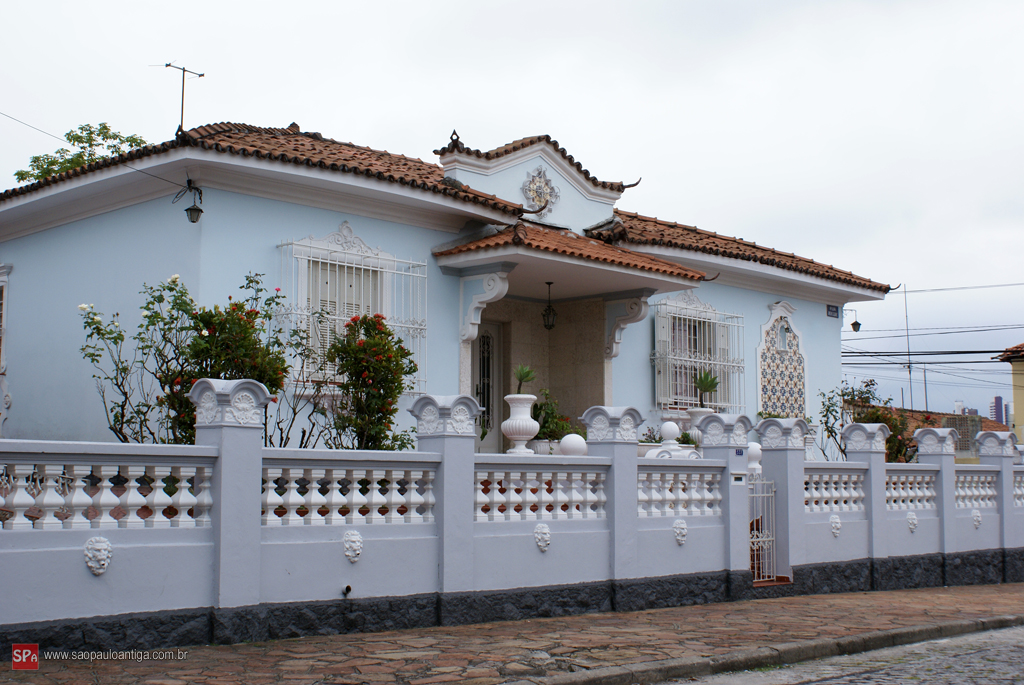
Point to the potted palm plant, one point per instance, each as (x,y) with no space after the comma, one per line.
(704,382)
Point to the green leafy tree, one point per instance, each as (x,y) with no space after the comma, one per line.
(91,143)
(372,366)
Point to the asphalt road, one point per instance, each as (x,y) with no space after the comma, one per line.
(990,657)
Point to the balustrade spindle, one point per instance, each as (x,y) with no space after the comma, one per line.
(132,500)
(48,500)
(291,500)
(375,499)
(271,499)
(183,499)
(157,500)
(77,499)
(203,498)
(481,496)
(333,500)
(395,500)
(105,501)
(315,501)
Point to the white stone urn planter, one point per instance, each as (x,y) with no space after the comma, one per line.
(520,427)
(696,414)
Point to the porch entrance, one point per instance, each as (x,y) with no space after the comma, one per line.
(488,388)
(762,529)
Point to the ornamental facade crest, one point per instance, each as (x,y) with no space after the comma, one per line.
(538,191)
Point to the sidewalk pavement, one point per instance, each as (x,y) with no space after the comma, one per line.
(593,649)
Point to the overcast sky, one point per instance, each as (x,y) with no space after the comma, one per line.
(885,138)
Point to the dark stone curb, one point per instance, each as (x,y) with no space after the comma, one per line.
(772,655)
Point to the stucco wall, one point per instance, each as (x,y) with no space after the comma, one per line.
(105,259)
(633,373)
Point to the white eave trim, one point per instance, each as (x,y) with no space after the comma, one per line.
(507,253)
(753,275)
(119,186)
(455,161)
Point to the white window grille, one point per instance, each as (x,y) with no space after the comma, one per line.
(332,279)
(691,338)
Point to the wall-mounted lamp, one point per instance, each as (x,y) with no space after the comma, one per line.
(856,324)
(195,211)
(549,311)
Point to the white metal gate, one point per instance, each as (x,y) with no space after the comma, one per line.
(762,528)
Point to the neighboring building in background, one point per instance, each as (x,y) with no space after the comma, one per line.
(995,409)
(971,412)
(1015,356)
(959,407)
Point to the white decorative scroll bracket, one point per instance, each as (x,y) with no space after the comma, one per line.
(495,286)
(636,310)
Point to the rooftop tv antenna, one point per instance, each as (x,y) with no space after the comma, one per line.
(181,125)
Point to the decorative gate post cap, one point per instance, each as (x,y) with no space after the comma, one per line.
(612,424)
(447,415)
(229,403)
(936,440)
(996,444)
(724,429)
(781,434)
(865,437)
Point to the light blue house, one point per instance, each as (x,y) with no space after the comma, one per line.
(458,256)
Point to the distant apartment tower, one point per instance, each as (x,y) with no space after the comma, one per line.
(995,409)
(959,407)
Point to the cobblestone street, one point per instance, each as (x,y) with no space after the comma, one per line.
(991,657)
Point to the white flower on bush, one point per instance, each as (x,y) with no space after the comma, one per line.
(83,307)
(205,333)
(173,280)
(97,319)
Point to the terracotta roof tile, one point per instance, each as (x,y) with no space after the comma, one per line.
(573,245)
(457,146)
(1012,353)
(292,146)
(642,230)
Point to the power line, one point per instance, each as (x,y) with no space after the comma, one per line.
(964,287)
(915,335)
(922,353)
(64,140)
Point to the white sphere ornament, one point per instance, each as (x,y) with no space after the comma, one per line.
(670,431)
(573,445)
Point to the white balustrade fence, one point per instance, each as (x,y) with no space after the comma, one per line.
(234,524)
(907,490)
(833,489)
(347,496)
(662,490)
(976,490)
(150,488)
(536,494)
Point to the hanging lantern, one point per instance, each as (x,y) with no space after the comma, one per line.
(549,311)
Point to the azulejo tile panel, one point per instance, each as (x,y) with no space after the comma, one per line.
(782,371)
